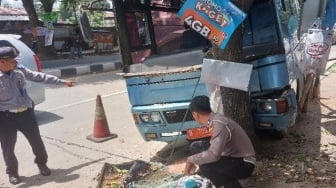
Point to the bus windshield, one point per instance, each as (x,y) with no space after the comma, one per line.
(261,35)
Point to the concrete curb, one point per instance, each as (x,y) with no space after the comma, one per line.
(75,70)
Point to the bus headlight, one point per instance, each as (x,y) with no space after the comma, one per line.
(150,117)
(155,116)
(266,106)
(145,117)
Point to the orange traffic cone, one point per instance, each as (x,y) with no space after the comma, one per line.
(101,130)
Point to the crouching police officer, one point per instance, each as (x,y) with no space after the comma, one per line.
(17,114)
(228,156)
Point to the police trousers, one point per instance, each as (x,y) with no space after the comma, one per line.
(224,172)
(26,123)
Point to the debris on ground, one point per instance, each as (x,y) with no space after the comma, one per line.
(137,174)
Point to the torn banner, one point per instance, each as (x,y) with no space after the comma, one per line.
(213,19)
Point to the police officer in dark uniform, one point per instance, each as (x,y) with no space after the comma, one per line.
(17,114)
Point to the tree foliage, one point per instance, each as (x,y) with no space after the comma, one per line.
(68,8)
(71,4)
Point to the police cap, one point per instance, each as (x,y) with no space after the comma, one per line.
(8,52)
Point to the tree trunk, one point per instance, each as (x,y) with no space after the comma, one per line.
(43,51)
(236,103)
(29,6)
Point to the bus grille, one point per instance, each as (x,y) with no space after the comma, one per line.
(176,116)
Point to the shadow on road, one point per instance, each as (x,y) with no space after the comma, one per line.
(171,153)
(58,176)
(44,117)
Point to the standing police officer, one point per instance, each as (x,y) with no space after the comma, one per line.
(16,112)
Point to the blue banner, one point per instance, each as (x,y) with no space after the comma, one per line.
(213,19)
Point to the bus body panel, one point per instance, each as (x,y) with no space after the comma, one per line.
(175,119)
(164,88)
(269,74)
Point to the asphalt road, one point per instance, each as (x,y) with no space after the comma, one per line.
(66,118)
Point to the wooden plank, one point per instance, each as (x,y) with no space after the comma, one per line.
(306,90)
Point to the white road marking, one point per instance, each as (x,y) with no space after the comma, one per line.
(83,101)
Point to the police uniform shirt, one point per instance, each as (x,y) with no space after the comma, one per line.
(229,139)
(13,94)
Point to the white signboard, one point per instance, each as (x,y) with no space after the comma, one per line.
(226,74)
(49,37)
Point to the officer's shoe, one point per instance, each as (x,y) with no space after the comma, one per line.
(44,170)
(14,179)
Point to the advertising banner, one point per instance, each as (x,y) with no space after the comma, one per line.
(317,48)
(213,19)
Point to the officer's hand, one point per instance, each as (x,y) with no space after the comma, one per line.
(69,83)
(188,167)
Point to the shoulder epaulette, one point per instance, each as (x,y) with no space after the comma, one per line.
(20,66)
